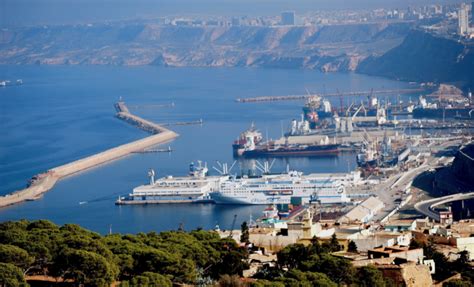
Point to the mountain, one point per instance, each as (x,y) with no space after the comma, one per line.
(326,47)
(423,57)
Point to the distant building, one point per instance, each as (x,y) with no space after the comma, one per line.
(446,217)
(472,13)
(466,244)
(404,267)
(364,212)
(235,21)
(400,225)
(463,20)
(288,18)
(415,255)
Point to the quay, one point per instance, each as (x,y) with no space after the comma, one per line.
(43,182)
(304,97)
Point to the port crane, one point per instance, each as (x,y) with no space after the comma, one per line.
(223,168)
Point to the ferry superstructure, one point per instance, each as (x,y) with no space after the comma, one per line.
(194,188)
(279,189)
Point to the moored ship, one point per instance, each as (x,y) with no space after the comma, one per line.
(280,188)
(194,188)
(274,150)
(251,145)
(459,107)
(247,139)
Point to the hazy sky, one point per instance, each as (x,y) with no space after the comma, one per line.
(32,12)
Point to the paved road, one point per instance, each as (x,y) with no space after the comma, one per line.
(426,207)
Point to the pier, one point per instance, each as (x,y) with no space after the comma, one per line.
(43,182)
(304,97)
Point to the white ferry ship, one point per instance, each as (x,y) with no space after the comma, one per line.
(194,188)
(280,188)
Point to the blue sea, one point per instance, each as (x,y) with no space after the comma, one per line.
(63,113)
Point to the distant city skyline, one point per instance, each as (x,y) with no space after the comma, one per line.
(37,12)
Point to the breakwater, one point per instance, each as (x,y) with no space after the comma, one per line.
(43,182)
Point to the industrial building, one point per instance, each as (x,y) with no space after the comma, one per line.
(364,212)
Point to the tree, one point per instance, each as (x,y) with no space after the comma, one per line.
(319,279)
(415,244)
(230,281)
(162,262)
(462,263)
(266,283)
(292,256)
(15,255)
(309,278)
(88,258)
(150,279)
(85,267)
(334,244)
(10,275)
(457,283)
(268,272)
(315,247)
(369,276)
(352,246)
(443,266)
(245,236)
(337,269)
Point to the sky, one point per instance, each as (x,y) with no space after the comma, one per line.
(39,12)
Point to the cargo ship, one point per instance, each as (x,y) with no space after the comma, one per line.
(273,150)
(194,188)
(280,189)
(247,139)
(460,109)
(316,109)
(251,145)
(381,155)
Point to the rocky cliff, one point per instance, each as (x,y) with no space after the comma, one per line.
(423,57)
(327,48)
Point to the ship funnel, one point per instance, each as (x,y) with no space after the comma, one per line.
(151,174)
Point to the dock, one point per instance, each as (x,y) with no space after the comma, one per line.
(304,97)
(43,182)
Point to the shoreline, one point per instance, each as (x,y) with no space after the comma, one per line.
(44,182)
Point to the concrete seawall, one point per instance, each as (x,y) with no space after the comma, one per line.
(41,183)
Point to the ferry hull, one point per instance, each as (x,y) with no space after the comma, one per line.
(261,199)
(164,199)
(327,150)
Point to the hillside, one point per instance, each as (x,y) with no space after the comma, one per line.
(327,48)
(423,57)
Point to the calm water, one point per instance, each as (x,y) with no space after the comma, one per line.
(64,113)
